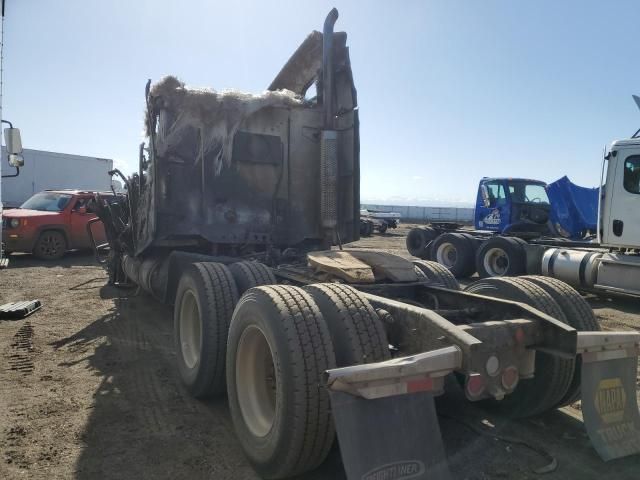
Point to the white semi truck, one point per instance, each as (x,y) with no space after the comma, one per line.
(611,264)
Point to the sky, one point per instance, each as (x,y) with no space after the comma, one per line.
(449,91)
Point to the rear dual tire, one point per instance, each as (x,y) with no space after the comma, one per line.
(251,274)
(357,333)
(553,375)
(366,228)
(579,315)
(281,413)
(419,240)
(205,299)
(455,251)
(501,257)
(437,274)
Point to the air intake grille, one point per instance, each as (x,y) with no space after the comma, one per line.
(329,179)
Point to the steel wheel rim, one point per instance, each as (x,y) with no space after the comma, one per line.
(496,262)
(190,330)
(256,381)
(447,255)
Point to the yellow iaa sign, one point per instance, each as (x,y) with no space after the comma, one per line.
(610,400)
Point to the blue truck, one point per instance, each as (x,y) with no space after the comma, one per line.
(509,214)
(529,208)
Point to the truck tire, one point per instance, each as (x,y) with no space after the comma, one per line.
(579,315)
(438,274)
(475,243)
(251,274)
(356,331)
(553,374)
(418,241)
(279,347)
(521,241)
(51,245)
(366,228)
(455,252)
(205,299)
(501,257)
(383,227)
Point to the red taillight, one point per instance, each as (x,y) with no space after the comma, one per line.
(510,377)
(420,385)
(475,385)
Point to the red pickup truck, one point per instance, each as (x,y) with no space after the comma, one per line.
(50,223)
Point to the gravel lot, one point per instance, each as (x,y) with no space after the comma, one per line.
(89,390)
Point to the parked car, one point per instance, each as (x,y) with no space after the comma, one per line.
(50,223)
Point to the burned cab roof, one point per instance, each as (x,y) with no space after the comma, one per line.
(176,110)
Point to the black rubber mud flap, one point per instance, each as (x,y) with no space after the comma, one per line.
(385,416)
(394,438)
(609,404)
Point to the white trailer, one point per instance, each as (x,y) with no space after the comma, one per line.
(44,170)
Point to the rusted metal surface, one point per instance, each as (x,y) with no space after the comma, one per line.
(416,329)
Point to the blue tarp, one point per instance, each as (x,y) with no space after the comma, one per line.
(574,209)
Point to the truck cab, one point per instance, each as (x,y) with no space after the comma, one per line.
(510,205)
(619,213)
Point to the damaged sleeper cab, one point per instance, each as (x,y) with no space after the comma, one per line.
(231,219)
(231,169)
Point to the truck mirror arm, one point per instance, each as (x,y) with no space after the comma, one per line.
(14,175)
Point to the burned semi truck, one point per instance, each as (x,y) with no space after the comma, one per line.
(238,216)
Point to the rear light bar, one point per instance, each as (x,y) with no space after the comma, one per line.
(599,346)
(475,386)
(423,372)
(510,377)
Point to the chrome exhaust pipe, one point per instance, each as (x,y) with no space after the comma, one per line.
(327,67)
(329,137)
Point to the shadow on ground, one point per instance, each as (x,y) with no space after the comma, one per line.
(623,304)
(143,424)
(75,258)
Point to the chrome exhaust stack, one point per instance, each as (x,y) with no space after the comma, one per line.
(329,138)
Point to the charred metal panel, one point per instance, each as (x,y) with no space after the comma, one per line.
(257,148)
(304,175)
(301,69)
(242,171)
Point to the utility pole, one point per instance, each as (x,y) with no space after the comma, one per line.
(11,136)
(3,261)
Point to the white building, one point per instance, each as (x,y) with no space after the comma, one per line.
(50,170)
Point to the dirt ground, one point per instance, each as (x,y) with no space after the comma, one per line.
(88,389)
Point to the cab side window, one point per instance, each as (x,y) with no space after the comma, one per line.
(497,195)
(81,202)
(631,178)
